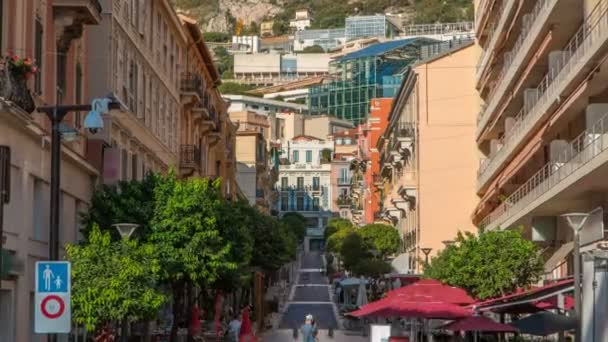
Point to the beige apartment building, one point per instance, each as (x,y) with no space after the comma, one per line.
(428,157)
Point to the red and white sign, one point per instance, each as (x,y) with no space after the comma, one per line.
(52,308)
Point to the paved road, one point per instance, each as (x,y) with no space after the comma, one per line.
(311,294)
(312,278)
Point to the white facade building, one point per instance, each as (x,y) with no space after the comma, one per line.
(301,21)
(304,184)
(240,103)
(245,44)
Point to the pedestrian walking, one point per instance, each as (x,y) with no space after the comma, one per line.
(309,330)
(234,329)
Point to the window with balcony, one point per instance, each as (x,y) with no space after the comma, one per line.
(300,182)
(284,202)
(315,204)
(284,182)
(296,156)
(316,183)
(124,164)
(309,156)
(62,61)
(300,203)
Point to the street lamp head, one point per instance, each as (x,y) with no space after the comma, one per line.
(426,250)
(125,229)
(576,221)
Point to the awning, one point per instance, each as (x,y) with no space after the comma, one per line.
(544,323)
(436,290)
(352,282)
(514,302)
(558,257)
(411,307)
(479,323)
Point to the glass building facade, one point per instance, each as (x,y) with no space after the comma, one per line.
(370,26)
(327,39)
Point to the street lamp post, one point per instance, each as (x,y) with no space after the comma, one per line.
(125,230)
(426,251)
(576,221)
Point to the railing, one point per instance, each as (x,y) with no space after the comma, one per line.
(580,151)
(493,34)
(305,188)
(189,156)
(509,57)
(437,29)
(344,200)
(405,130)
(192,83)
(344,181)
(591,31)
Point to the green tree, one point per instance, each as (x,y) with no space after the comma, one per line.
(279,27)
(487,265)
(382,238)
(326,155)
(442,11)
(113,281)
(275,244)
(236,89)
(296,223)
(313,49)
(335,224)
(217,37)
(128,201)
(372,268)
(353,251)
(335,240)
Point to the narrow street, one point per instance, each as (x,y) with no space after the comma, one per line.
(311,295)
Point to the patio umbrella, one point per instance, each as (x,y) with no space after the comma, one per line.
(544,323)
(361,294)
(478,323)
(411,307)
(435,290)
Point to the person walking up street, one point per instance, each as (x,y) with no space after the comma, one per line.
(309,330)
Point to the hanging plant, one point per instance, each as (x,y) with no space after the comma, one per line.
(13,81)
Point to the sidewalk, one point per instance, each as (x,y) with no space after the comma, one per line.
(286,336)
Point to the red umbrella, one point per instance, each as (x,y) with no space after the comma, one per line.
(435,290)
(413,307)
(479,323)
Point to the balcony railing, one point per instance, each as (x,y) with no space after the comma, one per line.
(495,32)
(192,83)
(344,181)
(528,33)
(189,156)
(580,151)
(592,33)
(405,130)
(305,188)
(437,29)
(344,201)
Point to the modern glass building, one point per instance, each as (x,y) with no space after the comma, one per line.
(373,72)
(371,26)
(325,38)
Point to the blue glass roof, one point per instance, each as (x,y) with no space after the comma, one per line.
(379,49)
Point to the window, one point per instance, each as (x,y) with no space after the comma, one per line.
(300,183)
(134,167)
(315,204)
(284,182)
(41,210)
(344,176)
(61,75)
(309,156)
(296,156)
(79,209)
(300,203)
(347,141)
(284,202)
(124,163)
(316,184)
(133,87)
(38,43)
(78,91)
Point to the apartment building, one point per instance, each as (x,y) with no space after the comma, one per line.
(55,34)
(541,128)
(428,157)
(345,151)
(304,183)
(278,68)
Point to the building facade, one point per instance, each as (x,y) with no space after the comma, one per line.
(241,103)
(325,38)
(302,20)
(304,181)
(367,26)
(427,156)
(345,151)
(276,68)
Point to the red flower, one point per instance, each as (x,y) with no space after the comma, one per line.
(15,58)
(34,70)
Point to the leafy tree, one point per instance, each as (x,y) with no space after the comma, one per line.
(353,251)
(372,268)
(275,244)
(442,11)
(128,201)
(296,223)
(217,37)
(335,240)
(113,281)
(313,49)
(326,155)
(382,238)
(280,27)
(335,224)
(236,89)
(491,264)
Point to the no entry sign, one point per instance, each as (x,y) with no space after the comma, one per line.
(52,313)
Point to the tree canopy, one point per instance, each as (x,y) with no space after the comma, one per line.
(113,280)
(336,224)
(296,223)
(382,238)
(490,264)
(353,251)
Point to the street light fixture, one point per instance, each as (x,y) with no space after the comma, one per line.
(125,229)
(576,221)
(426,252)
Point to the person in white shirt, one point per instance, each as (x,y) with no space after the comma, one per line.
(234,328)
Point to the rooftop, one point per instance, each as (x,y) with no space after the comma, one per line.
(384,48)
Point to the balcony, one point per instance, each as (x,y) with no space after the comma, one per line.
(191,86)
(567,71)
(305,188)
(344,181)
(85,12)
(189,157)
(585,154)
(344,201)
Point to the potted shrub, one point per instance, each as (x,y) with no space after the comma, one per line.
(13,81)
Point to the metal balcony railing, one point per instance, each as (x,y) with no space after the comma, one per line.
(525,37)
(344,200)
(192,83)
(305,188)
(344,181)
(405,130)
(580,151)
(437,29)
(495,31)
(189,156)
(592,33)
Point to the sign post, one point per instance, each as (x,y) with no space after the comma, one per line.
(53,307)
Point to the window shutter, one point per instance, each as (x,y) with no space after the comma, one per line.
(140,92)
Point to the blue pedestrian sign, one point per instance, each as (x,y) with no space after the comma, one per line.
(53,309)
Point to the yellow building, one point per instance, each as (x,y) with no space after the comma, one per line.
(266,28)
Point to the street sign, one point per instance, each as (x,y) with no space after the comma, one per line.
(53,309)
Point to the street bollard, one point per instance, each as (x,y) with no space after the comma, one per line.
(295,333)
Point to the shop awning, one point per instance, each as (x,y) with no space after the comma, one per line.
(436,290)
(544,323)
(411,307)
